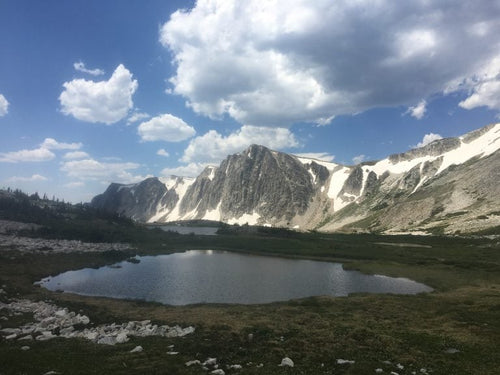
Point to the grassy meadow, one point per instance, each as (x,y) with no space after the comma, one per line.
(453,330)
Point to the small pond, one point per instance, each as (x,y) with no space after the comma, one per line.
(223,277)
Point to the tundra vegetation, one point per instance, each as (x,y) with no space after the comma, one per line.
(453,330)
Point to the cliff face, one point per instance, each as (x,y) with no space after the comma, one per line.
(447,186)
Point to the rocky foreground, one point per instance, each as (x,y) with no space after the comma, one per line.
(52,321)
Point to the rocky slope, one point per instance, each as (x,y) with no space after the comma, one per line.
(448,186)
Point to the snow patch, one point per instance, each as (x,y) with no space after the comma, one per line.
(250,219)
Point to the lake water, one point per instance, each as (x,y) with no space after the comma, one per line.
(223,277)
(205,231)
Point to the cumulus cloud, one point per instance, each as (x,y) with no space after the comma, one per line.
(35,155)
(165,127)
(289,61)
(75,155)
(90,169)
(212,147)
(33,178)
(4,106)
(428,138)
(137,116)
(359,159)
(104,101)
(317,155)
(418,111)
(189,170)
(80,67)
(52,144)
(162,152)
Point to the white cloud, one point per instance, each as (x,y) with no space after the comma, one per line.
(137,116)
(52,144)
(288,61)
(90,169)
(162,152)
(80,66)
(189,170)
(359,159)
(418,111)
(317,155)
(75,155)
(428,138)
(36,155)
(33,178)
(104,101)
(4,106)
(165,127)
(213,147)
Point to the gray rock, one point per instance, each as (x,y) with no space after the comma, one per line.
(137,349)
(286,362)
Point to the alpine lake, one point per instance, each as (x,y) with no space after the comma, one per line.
(207,276)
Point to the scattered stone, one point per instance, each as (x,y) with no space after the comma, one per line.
(452,351)
(379,370)
(51,318)
(400,366)
(191,363)
(51,373)
(250,337)
(234,367)
(260,365)
(210,362)
(172,353)
(218,372)
(423,370)
(344,362)
(137,349)
(286,362)
(24,348)
(394,373)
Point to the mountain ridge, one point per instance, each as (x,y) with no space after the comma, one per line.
(260,186)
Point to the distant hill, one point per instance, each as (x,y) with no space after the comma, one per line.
(446,187)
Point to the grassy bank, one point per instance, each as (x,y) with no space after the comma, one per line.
(454,330)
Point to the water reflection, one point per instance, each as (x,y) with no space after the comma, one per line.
(223,277)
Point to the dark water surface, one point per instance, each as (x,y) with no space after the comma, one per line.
(205,276)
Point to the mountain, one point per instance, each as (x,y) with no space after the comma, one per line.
(448,186)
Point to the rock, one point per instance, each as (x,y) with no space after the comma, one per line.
(218,372)
(107,340)
(379,370)
(172,353)
(122,337)
(452,351)
(194,362)
(234,367)
(286,362)
(210,362)
(344,362)
(24,348)
(137,349)
(400,366)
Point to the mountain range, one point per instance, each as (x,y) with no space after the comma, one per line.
(449,186)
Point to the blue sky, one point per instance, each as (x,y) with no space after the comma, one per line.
(93,92)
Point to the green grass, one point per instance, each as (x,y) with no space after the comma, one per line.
(415,331)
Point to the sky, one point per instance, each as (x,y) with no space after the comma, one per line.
(94,92)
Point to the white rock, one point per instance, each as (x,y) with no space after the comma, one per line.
(121,337)
(107,340)
(218,372)
(172,353)
(194,362)
(400,366)
(137,349)
(286,362)
(24,348)
(234,367)
(379,370)
(210,362)
(344,362)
